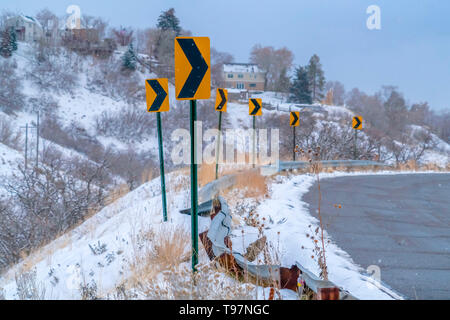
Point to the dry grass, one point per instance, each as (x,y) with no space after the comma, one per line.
(156,251)
(119,192)
(160,270)
(170,247)
(206,174)
(147,175)
(252,183)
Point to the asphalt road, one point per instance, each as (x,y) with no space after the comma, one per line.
(400,223)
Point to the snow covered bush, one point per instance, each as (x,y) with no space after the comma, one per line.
(129,124)
(27,286)
(11,97)
(8,136)
(111,80)
(51,69)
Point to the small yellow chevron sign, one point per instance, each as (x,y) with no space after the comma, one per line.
(357,123)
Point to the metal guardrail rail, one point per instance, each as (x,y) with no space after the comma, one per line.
(221,228)
(291,165)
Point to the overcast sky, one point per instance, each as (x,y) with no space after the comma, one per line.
(411,51)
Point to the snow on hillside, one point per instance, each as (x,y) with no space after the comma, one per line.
(61,264)
(9,159)
(101,249)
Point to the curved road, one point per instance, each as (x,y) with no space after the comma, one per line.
(400,223)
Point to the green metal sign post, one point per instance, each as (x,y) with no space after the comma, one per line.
(161,166)
(158,101)
(194,185)
(293,147)
(254,142)
(218,145)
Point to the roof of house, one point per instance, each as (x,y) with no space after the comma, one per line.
(27,19)
(241,67)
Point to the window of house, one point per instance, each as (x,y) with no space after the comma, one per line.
(252,85)
(230,75)
(240,75)
(240,86)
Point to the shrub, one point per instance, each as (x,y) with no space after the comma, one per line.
(11,97)
(8,137)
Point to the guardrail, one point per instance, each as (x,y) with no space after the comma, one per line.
(220,230)
(291,165)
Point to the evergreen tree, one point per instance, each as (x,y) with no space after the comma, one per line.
(5,44)
(129,59)
(13,39)
(316,78)
(168,21)
(300,91)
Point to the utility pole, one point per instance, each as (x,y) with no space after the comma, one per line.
(37,140)
(27,128)
(26,145)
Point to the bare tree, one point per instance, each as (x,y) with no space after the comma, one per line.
(338,92)
(123,36)
(218,59)
(272,62)
(11,97)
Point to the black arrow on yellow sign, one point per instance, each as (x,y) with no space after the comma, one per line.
(295,118)
(257,109)
(357,123)
(199,67)
(223,100)
(160,97)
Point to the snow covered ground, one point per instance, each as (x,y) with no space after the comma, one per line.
(101,248)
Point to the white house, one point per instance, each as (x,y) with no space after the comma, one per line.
(27,28)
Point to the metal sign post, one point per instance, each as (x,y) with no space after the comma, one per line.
(294,121)
(161,166)
(219,133)
(357,125)
(194,186)
(192,82)
(254,143)
(221,106)
(293,145)
(158,101)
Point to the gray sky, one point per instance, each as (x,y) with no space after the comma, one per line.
(411,51)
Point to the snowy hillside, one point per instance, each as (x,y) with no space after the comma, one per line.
(100,252)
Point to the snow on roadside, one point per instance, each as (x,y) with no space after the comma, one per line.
(289,221)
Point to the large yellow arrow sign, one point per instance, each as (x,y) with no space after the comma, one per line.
(192,68)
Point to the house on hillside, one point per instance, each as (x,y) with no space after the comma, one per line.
(28,29)
(243,76)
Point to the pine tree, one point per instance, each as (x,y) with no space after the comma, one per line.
(168,21)
(13,39)
(316,78)
(129,59)
(300,91)
(5,44)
